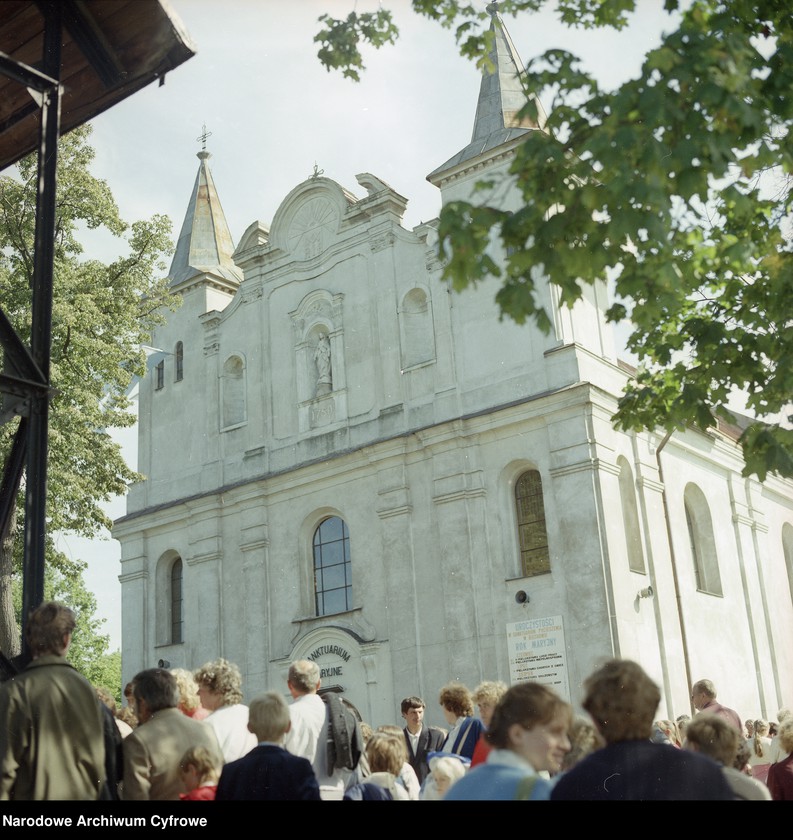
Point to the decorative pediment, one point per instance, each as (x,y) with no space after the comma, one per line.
(309,218)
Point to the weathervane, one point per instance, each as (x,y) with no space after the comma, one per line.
(202,138)
(317,171)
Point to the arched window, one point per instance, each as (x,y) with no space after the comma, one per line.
(630,518)
(532,534)
(233,392)
(702,541)
(332,568)
(418,339)
(177,602)
(179,354)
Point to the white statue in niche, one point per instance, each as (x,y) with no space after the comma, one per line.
(322,361)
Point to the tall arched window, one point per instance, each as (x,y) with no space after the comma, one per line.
(630,518)
(532,534)
(702,541)
(332,567)
(179,354)
(177,602)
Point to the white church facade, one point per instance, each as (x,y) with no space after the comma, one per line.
(346,461)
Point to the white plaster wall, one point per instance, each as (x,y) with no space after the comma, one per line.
(421,466)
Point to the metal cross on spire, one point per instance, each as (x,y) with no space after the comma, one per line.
(202,138)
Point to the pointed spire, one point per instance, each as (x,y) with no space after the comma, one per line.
(501,92)
(205,245)
(501,96)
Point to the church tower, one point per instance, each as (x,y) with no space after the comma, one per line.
(204,278)
(498,131)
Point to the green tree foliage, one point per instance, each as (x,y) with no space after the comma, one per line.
(675,187)
(102,313)
(340,39)
(89,651)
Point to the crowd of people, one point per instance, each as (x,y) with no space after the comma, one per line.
(188,735)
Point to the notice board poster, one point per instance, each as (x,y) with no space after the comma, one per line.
(537,653)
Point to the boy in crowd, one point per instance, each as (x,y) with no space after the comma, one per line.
(268,772)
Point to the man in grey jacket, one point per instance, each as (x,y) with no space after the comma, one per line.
(153,750)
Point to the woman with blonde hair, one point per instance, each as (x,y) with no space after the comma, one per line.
(760,750)
(220,693)
(584,739)
(486,696)
(189,704)
(671,731)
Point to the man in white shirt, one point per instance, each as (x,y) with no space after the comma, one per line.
(307,711)
(308,736)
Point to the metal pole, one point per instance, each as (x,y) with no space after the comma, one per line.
(41,323)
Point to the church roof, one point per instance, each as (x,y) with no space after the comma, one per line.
(501,96)
(205,245)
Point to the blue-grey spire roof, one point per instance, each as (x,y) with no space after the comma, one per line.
(501,96)
(205,245)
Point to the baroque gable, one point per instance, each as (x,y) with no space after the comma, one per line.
(310,218)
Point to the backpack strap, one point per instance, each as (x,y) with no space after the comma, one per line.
(525,787)
(463,734)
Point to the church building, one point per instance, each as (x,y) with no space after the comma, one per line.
(347,461)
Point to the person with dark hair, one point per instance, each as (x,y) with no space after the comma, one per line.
(114,757)
(420,740)
(528,733)
(622,701)
(52,743)
(153,750)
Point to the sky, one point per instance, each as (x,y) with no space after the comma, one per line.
(273,113)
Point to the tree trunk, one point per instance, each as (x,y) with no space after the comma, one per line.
(10,642)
